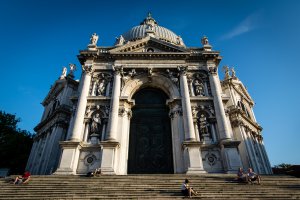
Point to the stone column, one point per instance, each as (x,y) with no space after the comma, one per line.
(186,107)
(191,146)
(224,130)
(71,149)
(114,107)
(229,148)
(110,145)
(85,81)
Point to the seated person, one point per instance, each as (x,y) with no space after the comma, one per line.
(241,176)
(187,190)
(252,176)
(97,172)
(23,179)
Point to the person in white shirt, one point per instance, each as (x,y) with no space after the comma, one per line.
(187,190)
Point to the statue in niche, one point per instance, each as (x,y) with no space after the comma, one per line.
(199,88)
(94,39)
(96,123)
(203,126)
(101,88)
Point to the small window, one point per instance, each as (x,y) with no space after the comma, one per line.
(150,50)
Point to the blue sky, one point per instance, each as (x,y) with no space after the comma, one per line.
(259,38)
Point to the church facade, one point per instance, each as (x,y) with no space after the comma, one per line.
(147,105)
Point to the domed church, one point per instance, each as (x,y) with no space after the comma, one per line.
(148,105)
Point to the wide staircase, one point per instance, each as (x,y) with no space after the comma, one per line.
(209,186)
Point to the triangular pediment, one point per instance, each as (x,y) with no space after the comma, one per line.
(147,44)
(241,89)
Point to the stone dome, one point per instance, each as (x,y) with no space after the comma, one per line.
(150,27)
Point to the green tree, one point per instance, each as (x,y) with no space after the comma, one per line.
(15,144)
(283,166)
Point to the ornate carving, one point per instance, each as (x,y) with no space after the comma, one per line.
(211,158)
(97,108)
(87,68)
(123,112)
(175,112)
(213,70)
(182,70)
(173,76)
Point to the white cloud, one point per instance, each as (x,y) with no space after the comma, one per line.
(248,24)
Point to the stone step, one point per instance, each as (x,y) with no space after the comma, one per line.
(210,186)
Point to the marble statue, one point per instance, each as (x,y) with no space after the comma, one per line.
(94,39)
(96,123)
(101,87)
(63,73)
(203,124)
(204,41)
(199,88)
(120,40)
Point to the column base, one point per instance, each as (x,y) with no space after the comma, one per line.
(193,156)
(231,157)
(108,160)
(69,158)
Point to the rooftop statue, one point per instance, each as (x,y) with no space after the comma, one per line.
(94,39)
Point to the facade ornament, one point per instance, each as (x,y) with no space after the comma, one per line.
(173,76)
(194,111)
(182,69)
(96,123)
(211,109)
(87,68)
(63,73)
(88,110)
(128,75)
(150,72)
(94,39)
(198,88)
(213,70)
(175,112)
(120,41)
(203,124)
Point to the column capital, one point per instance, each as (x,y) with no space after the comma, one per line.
(88,69)
(182,69)
(118,70)
(213,70)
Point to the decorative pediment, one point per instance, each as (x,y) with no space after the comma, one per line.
(241,89)
(147,44)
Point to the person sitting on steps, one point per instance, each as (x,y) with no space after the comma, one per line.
(241,176)
(252,176)
(23,179)
(187,190)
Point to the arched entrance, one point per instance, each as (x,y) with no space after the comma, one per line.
(150,141)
